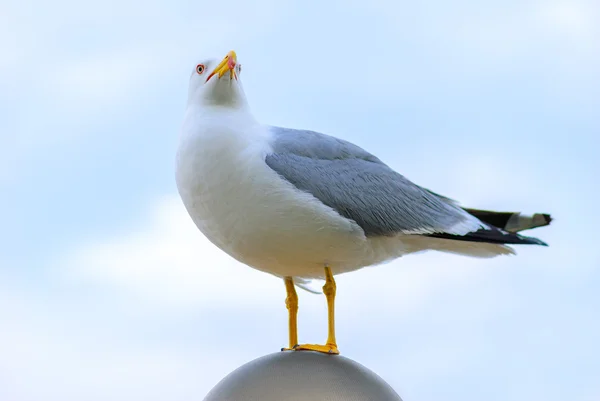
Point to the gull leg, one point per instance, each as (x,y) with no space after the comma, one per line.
(291,303)
(329,289)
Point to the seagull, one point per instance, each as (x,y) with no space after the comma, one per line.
(302,205)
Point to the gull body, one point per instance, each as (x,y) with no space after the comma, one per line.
(247,209)
(302,205)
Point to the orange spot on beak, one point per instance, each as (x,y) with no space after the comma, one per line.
(227,64)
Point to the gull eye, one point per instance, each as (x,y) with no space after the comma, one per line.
(200,68)
(239,68)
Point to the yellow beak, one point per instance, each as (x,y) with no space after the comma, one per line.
(227,64)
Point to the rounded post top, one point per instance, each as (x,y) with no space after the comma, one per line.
(302,376)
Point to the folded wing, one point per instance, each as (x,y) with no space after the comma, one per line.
(381,201)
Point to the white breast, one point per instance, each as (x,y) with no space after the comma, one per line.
(248,211)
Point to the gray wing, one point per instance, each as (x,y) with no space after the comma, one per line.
(361,187)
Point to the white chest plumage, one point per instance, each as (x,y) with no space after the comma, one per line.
(247,210)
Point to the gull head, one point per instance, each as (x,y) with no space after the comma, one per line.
(216,82)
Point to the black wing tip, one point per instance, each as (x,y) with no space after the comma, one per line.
(531,241)
(547,218)
(492,235)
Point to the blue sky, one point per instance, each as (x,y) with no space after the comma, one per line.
(107,290)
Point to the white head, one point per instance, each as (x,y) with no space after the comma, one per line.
(217,83)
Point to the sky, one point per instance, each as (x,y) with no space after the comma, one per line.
(109,292)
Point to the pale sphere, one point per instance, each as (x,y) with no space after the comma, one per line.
(302,376)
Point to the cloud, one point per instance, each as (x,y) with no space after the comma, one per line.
(574,20)
(99,351)
(167,260)
(473,40)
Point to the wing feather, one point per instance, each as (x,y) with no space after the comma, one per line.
(361,187)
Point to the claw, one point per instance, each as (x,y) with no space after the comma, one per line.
(331,349)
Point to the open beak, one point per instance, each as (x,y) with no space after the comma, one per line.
(227,64)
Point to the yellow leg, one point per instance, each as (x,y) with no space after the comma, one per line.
(329,289)
(291,303)
(330,347)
